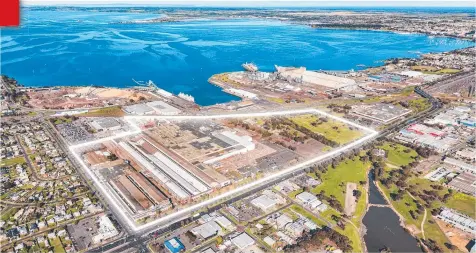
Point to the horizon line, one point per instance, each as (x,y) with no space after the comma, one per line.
(227,6)
(256,4)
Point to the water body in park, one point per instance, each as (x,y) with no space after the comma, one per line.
(383,226)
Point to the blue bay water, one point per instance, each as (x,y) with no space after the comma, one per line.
(79,47)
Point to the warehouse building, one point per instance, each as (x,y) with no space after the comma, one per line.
(152,108)
(242,93)
(458,220)
(301,75)
(463,166)
(380,112)
(206,230)
(428,137)
(243,241)
(106,124)
(464,182)
(264,202)
(240,144)
(308,199)
(181,183)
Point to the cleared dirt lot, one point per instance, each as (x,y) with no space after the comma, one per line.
(350,202)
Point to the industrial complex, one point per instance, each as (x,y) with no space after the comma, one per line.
(173,162)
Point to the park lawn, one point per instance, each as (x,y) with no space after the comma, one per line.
(300,210)
(403,206)
(327,214)
(463,203)
(361,207)
(113,111)
(434,232)
(334,180)
(421,184)
(343,134)
(396,154)
(353,235)
(13,161)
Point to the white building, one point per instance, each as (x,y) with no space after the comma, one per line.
(242,93)
(308,199)
(154,107)
(106,124)
(264,202)
(106,230)
(314,78)
(241,144)
(206,230)
(458,220)
(243,241)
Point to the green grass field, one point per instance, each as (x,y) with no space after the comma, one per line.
(113,111)
(332,130)
(334,180)
(463,203)
(397,155)
(403,206)
(442,71)
(361,207)
(334,183)
(13,161)
(353,235)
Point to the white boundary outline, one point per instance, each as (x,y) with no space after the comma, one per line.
(180,213)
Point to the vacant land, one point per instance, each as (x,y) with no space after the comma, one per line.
(463,203)
(113,111)
(331,129)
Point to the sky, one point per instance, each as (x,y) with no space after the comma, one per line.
(256,3)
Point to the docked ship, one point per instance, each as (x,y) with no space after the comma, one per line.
(186,97)
(250,67)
